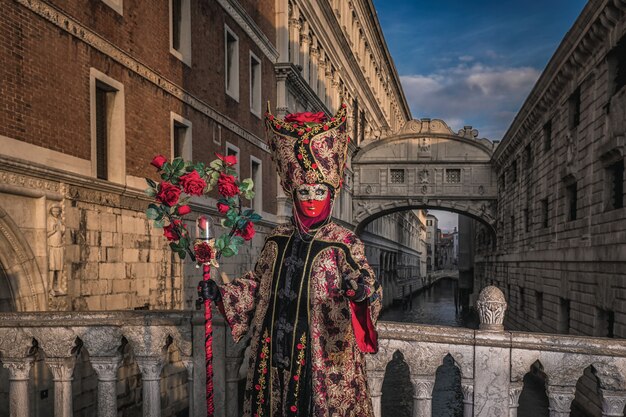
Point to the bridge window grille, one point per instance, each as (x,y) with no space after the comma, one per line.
(453,176)
(397,176)
(616,185)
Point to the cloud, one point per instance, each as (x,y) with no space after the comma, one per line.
(486,97)
(466,58)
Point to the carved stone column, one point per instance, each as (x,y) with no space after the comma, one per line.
(560,398)
(613,403)
(468,398)
(305,43)
(294,35)
(106,367)
(375,382)
(515,391)
(151,367)
(188,362)
(232,386)
(423,398)
(321,77)
(62,371)
(491,307)
(19,375)
(313,66)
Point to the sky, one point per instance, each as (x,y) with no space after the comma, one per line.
(472,62)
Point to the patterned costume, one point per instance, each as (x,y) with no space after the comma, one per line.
(308,339)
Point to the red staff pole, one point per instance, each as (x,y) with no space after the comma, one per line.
(208,345)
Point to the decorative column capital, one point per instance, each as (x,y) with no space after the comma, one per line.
(560,398)
(613,403)
(106,367)
(62,368)
(423,387)
(515,390)
(19,368)
(468,392)
(491,307)
(375,382)
(150,367)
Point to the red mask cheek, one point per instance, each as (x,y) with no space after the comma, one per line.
(312,208)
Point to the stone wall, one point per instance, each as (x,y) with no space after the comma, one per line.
(565,272)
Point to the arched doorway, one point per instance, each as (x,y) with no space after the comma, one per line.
(7,303)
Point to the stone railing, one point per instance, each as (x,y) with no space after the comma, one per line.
(492,363)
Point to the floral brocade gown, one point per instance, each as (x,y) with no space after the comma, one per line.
(306,352)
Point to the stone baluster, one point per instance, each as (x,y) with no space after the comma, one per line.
(232,386)
(188,363)
(423,397)
(62,371)
(19,375)
(467,386)
(106,367)
(151,367)
(613,403)
(515,390)
(375,382)
(560,398)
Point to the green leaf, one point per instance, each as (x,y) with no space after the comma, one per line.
(234,248)
(227,252)
(248,195)
(237,240)
(216,164)
(227,223)
(182,254)
(248,212)
(159,223)
(255,217)
(222,241)
(241,222)
(151,183)
(150,192)
(232,214)
(174,246)
(152,213)
(246,184)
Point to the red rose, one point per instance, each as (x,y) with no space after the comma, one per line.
(223,208)
(247,233)
(168,194)
(171,232)
(192,183)
(182,210)
(306,117)
(229,160)
(226,185)
(293,408)
(158,161)
(204,252)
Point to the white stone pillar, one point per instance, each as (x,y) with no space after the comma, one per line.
(282,29)
(613,403)
(423,397)
(62,370)
(151,367)
(188,363)
(560,398)
(305,43)
(468,398)
(375,382)
(514,392)
(328,83)
(106,367)
(19,375)
(321,77)
(313,66)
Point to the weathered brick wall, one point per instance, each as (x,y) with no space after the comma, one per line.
(572,273)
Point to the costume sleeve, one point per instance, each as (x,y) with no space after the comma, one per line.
(364,312)
(239,300)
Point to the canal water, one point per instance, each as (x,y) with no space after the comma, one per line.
(436,305)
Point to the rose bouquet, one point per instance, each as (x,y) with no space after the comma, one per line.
(180,180)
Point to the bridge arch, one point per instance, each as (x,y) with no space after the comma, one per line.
(425,165)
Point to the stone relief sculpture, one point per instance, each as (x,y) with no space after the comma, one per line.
(424,177)
(424,145)
(56,258)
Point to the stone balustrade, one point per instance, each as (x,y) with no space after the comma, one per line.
(492,363)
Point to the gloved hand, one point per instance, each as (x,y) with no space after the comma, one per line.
(353,290)
(208,290)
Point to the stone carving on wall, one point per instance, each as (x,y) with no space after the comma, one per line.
(424,176)
(424,146)
(571,149)
(56,252)
(491,307)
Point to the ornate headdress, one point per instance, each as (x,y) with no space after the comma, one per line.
(307,153)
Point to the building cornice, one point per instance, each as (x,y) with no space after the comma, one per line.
(293,76)
(83,33)
(243,19)
(587,36)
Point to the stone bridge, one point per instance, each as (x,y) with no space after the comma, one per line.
(491,363)
(425,165)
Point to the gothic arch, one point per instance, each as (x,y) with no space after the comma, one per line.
(24,278)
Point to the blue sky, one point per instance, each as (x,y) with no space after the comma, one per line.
(472,62)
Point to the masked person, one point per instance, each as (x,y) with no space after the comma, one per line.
(312,299)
